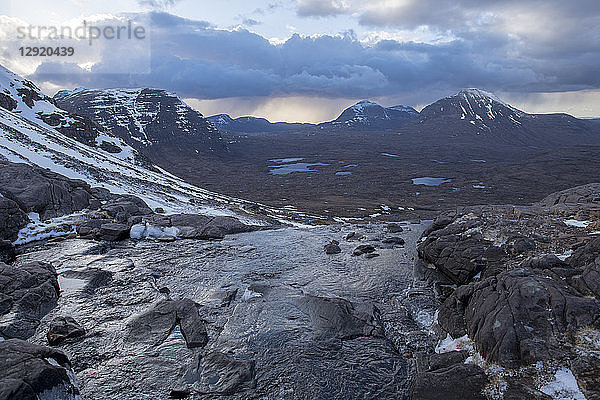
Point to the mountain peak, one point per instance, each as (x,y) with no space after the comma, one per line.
(479,94)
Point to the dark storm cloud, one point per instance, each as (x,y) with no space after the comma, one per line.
(197,60)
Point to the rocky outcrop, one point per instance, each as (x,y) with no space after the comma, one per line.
(518,317)
(447,377)
(12,219)
(189,226)
(27,293)
(526,282)
(40,191)
(29,371)
(156,324)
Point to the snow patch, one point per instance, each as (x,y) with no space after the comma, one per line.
(563,386)
(148,231)
(250,294)
(38,230)
(577,223)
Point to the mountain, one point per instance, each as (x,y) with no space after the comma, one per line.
(150,120)
(474,113)
(24,98)
(25,137)
(253,125)
(371,116)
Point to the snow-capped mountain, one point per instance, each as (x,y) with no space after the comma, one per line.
(368,115)
(150,120)
(24,98)
(26,138)
(476,113)
(253,124)
(476,107)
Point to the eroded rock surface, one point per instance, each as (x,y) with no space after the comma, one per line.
(27,293)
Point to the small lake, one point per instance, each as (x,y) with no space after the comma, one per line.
(429,181)
(285,169)
(285,160)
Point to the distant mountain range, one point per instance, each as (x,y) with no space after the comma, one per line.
(253,124)
(366,115)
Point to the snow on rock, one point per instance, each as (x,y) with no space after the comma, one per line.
(250,294)
(38,230)
(147,231)
(577,223)
(449,344)
(563,386)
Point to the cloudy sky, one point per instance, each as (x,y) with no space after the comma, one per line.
(306,60)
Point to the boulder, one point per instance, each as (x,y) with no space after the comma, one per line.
(155,325)
(62,328)
(363,249)
(586,261)
(113,232)
(394,241)
(332,248)
(125,206)
(41,191)
(29,371)
(27,293)
(518,317)
(394,228)
(12,219)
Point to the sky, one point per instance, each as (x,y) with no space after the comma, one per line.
(306,60)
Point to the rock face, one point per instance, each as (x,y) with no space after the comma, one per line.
(27,293)
(156,324)
(518,317)
(147,119)
(526,283)
(447,377)
(63,328)
(12,219)
(40,191)
(29,371)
